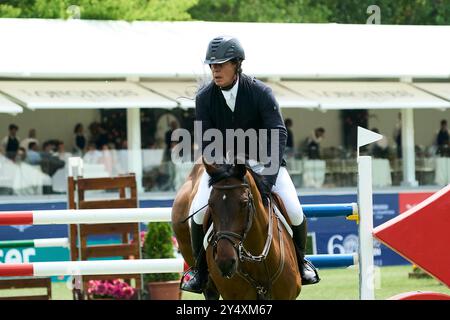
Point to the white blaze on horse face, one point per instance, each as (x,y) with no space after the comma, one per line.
(224,197)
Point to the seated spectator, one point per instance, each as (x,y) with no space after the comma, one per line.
(313,143)
(11,142)
(61,151)
(31,138)
(442,139)
(92,155)
(380,148)
(33,155)
(102,137)
(50,162)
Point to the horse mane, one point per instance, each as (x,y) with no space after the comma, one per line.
(262,187)
(225,171)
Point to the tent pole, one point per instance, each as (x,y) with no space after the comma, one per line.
(408,146)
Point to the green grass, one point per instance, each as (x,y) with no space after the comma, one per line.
(336,284)
(342,284)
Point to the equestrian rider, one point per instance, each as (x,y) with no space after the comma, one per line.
(234,100)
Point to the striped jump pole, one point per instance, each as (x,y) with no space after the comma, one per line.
(85,216)
(333,260)
(97,267)
(36,243)
(134,215)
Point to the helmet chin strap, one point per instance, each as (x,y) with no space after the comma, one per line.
(227,88)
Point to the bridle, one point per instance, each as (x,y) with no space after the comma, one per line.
(237,241)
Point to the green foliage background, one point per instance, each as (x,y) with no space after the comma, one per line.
(432,12)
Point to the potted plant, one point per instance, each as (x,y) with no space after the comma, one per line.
(116,289)
(158,244)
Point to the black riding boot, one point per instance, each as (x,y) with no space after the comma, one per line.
(307,270)
(194,279)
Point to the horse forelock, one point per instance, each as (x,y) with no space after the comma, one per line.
(221,173)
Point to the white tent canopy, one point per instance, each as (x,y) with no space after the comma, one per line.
(183,92)
(365,95)
(7,106)
(82,95)
(439,89)
(105,49)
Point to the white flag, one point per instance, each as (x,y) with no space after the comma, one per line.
(366,136)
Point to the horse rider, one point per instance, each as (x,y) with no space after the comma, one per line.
(233,100)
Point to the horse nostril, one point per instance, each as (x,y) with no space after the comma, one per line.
(227,267)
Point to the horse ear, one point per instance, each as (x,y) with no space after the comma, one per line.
(239,170)
(210,168)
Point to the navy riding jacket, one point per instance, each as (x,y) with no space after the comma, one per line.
(255,108)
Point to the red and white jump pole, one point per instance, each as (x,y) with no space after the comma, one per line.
(85,216)
(97,267)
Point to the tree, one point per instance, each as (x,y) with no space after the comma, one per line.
(435,12)
(259,11)
(412,12)
(129,10)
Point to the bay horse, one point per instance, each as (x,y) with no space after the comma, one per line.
(250,253)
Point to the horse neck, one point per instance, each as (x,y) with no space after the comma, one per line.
(255,240)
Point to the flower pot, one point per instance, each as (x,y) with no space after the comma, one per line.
(165,290)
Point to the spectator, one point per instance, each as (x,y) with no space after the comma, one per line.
(31,138)
(442,139)
(11,142)
(290,138)
(92,155)
(102,137)
(33,156)
(380,149)
(313,143)
(398,135)
(21,155)
(168,140)
(50,163)
(80,139)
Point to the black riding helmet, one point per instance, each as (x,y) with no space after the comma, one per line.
(223,49)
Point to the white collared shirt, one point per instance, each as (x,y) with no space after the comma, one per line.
(230,95)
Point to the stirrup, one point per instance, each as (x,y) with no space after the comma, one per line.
(307,265)
(187,281)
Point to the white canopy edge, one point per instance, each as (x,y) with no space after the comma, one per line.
(324,95)
(335,95)
(82,95)
(440,89)
(7,106)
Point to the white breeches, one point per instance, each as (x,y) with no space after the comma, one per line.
(283,187)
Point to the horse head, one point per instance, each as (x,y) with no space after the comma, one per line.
(231,209)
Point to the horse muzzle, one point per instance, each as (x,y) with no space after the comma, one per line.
(227,267)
